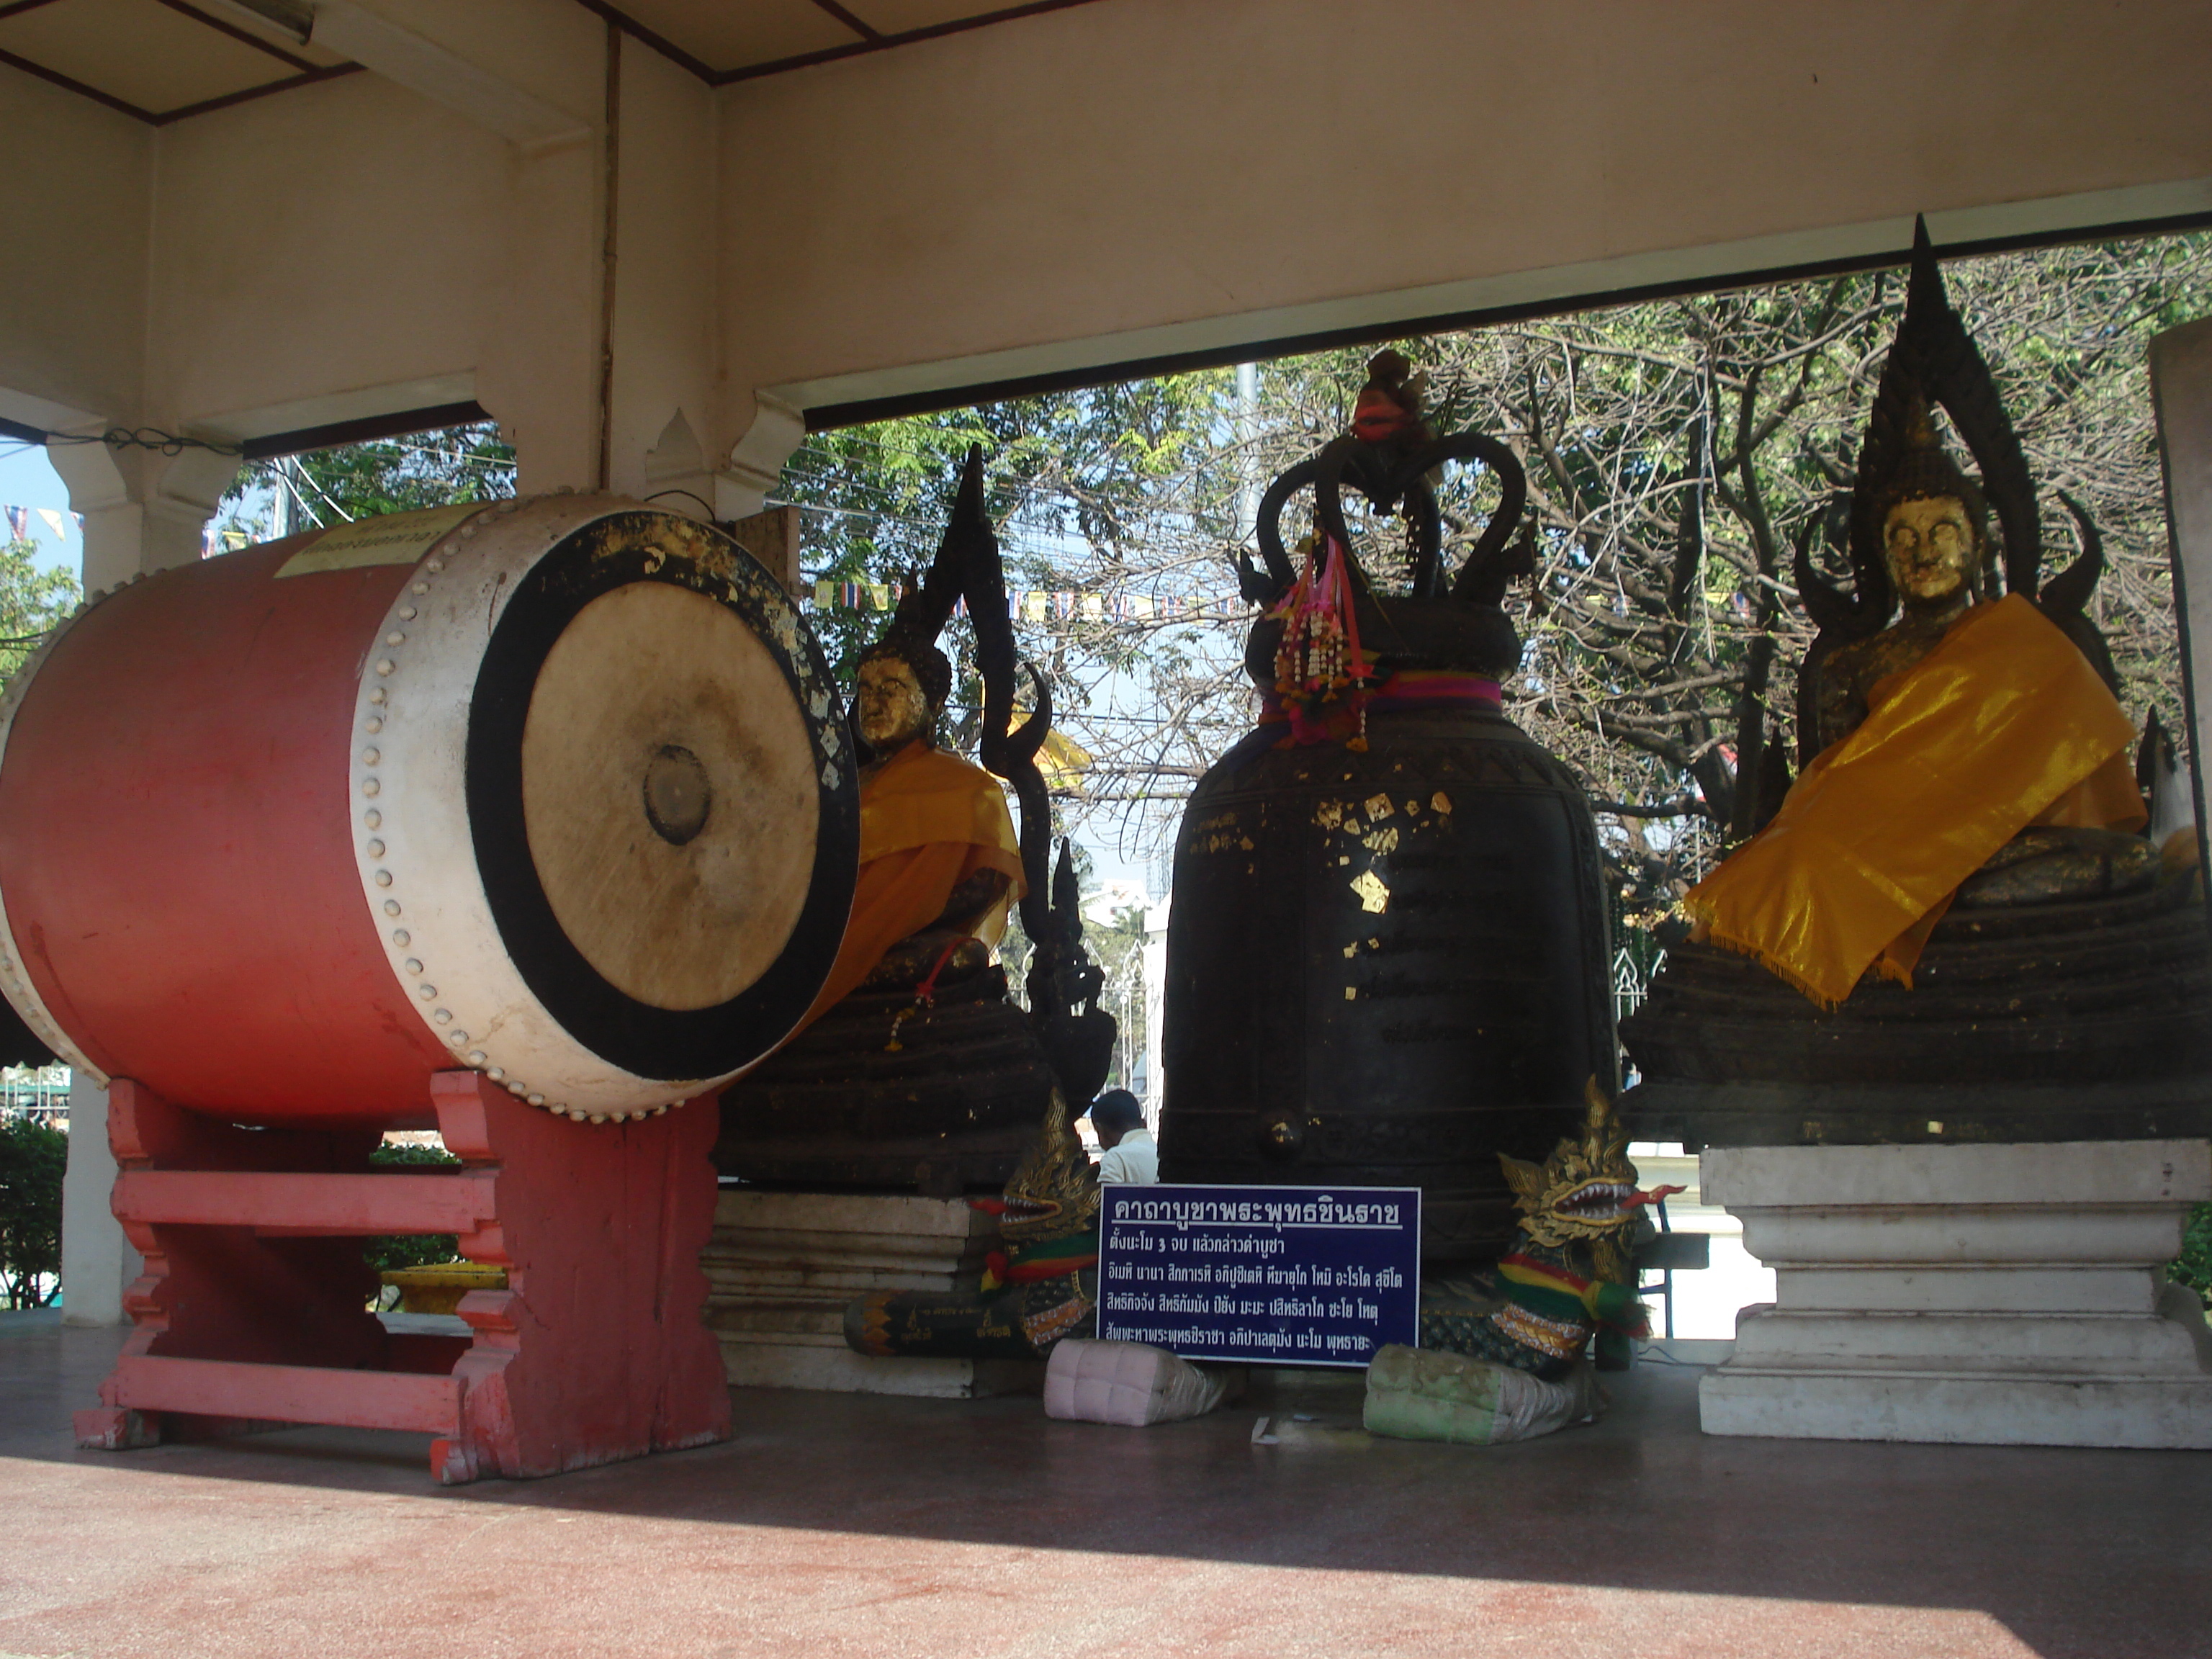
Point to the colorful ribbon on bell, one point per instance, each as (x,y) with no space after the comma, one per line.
(1319,661)
(1404,691)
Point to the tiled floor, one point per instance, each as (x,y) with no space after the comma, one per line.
(843,1525)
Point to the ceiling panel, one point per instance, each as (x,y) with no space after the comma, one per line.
(139,50)
(896,16)
(728,35)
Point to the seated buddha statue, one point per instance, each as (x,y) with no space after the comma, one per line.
(939,863)
(1967,750)
(1935,549)
(1949,931)
(915,1070)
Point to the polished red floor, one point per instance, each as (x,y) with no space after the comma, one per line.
(840,1525)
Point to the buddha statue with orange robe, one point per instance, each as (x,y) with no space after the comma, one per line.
(1970,753)
(940,865)
(915,1070)
(1950,930)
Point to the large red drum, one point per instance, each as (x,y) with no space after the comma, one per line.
(557,789)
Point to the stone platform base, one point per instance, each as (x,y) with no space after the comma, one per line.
(1990,1295)
(782,1266)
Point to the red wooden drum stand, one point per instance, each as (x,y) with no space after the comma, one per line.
(557,791)
(252,1308)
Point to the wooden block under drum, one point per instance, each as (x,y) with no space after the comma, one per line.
(308,1203)
(288,1394)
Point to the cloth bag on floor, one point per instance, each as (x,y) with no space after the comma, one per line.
(1428,1394)
(1132,1383)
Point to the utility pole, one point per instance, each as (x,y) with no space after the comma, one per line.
(279,502)
(1248,427)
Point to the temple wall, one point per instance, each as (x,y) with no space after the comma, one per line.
(338,237)
(665,301)
(1081,188)
(1147,176)
(75,197)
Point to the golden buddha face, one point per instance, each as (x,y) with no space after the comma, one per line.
(893,709)
(1931,547)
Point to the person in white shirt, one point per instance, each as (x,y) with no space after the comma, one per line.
(1131,1158)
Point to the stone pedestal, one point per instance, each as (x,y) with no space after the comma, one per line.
(782,1266)
(1992,1294)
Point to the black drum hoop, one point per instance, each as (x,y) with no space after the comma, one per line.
(593,560)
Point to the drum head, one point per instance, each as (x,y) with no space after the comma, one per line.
(665,825)
(669,795)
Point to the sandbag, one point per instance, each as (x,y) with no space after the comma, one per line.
(1130,1383)
(1429,1393)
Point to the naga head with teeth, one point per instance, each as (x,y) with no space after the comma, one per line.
(1586,1190)
(1054,1192)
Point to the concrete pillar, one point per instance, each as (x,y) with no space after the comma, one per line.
(143,511)
(1155,994)
(98,1262)
(539,373)
(2181,390)
(1988,1295)
(755,463)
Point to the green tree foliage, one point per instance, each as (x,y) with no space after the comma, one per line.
(392,1252)
(32,1156)
(1118,948)
(2194,1269)
(1098,493)
(394,475)
(1677,450)
(32,601)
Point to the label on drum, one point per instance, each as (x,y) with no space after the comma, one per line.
(386,538)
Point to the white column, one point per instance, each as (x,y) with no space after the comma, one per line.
(143,511)
(98,1263)
(755,463)
(1155,994)
(2181,390)
(1993,1295)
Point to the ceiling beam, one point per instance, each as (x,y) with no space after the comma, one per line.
(856,400)
(886,42)
(660,43)
(444,76)
(865,31)
(235,32)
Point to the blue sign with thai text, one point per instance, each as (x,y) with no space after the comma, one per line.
(1283,1275)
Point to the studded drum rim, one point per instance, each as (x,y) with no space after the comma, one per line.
(408,795)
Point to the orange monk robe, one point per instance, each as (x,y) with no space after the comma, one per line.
(929,821)
(2003,725)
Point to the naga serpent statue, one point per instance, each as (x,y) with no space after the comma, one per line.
(1502,1357)
(1567,1274)
(1040,1285)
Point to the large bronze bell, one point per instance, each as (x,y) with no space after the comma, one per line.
(1387,962)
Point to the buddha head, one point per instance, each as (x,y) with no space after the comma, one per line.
(902,687)
(1931,526)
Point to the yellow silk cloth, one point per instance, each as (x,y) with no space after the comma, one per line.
(929,821)
(2004,723)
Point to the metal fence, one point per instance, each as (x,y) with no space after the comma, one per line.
(1631,981)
